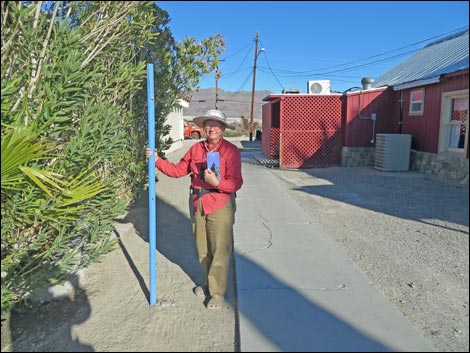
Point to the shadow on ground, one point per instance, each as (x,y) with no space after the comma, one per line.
(248,146)
(174,235)
(408,195)
(47,327)
(329,332)
(312,328)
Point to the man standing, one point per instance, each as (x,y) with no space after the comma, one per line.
(213,195)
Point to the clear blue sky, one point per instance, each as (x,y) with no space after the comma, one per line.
(313,40)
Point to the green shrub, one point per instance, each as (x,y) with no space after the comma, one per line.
(74,126)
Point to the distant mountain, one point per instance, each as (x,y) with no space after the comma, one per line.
(233,104)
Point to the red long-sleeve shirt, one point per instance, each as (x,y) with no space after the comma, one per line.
(194,162)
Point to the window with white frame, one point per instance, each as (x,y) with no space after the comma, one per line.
(454,128)
(417,102)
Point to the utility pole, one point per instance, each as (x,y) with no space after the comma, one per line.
(217,76)
(253,87)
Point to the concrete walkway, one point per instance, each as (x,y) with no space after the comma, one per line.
(297,289)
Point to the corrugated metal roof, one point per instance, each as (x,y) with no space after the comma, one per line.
(440,57)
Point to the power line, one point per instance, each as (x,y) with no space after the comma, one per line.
(238,50)
(303,74)
(341,68)
(226,100)
(267,62)
(239,101)
(247,78)
(236,70)
(352,68)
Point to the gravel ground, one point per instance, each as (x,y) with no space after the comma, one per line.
(407,231)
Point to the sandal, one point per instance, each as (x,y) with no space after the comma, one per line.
(215,302)
(200,291)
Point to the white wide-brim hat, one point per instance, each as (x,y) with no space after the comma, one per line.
(212,114)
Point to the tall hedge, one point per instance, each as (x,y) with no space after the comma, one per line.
(74,126)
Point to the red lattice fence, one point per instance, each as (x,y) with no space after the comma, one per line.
(310,131)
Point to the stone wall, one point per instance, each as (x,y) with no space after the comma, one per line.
(357,156)
(447,166)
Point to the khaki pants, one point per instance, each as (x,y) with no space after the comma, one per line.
(213,234)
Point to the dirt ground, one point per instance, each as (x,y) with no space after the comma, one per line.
(407,231)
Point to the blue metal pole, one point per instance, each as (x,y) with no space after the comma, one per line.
(151,173)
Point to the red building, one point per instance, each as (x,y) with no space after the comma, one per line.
(426,97)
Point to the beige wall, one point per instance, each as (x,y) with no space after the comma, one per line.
(175,120)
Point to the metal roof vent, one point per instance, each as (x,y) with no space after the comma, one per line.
(291,91)
(367,83)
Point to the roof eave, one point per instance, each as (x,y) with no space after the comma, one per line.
(423,82)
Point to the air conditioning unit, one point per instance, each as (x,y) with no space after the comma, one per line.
(392,152)
(318,87)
